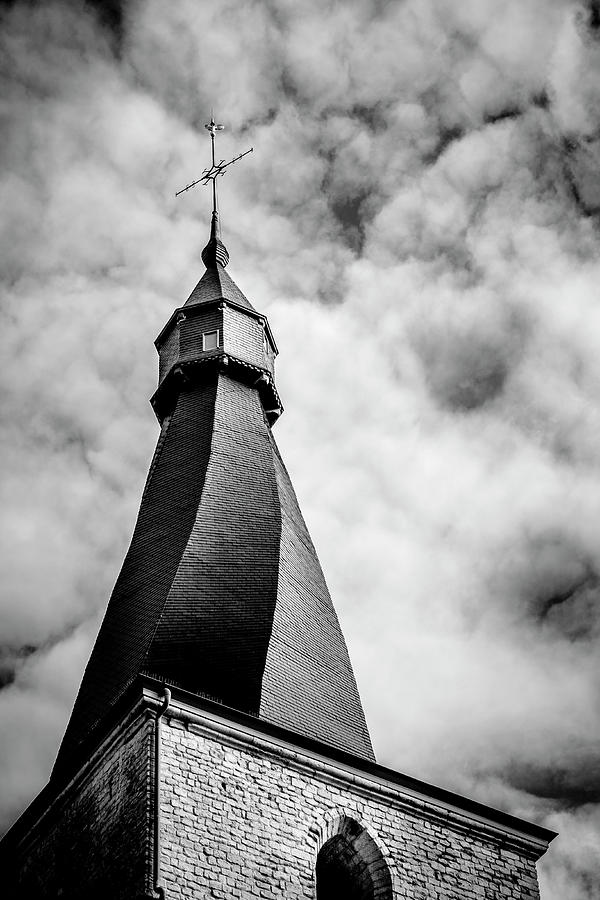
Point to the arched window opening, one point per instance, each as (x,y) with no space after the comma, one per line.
(350,867)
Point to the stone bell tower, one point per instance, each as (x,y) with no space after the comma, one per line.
(218,746)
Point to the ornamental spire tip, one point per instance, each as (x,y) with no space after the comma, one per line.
(215,251)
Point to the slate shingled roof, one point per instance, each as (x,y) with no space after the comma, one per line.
(221,592)
(216,282)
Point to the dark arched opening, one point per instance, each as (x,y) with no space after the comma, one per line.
(350,867)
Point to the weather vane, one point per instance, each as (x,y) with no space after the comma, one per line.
(217,168)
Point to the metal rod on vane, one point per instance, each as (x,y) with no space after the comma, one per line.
(212,129)
(216,168)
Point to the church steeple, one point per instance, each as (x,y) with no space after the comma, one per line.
(221,592)
(218,746)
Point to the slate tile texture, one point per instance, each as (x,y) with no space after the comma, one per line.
(221,578)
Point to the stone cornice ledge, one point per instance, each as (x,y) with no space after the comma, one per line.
(472,818)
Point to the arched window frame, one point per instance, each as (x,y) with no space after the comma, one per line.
(334,823)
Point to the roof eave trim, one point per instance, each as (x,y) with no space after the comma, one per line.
(530,833)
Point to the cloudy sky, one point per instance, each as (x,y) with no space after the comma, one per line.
(420,222)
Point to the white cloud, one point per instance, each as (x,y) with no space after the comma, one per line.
(415,220)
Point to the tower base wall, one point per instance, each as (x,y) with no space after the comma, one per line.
(243,816)
(93,839)
(232,807)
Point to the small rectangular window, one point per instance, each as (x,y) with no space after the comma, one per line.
(210,340)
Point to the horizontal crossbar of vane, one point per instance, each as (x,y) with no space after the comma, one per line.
(213,173)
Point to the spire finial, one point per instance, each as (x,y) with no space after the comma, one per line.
(215,251)
(212,129)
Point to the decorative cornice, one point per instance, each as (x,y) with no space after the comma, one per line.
(184,372)
(235,728)
(342,768)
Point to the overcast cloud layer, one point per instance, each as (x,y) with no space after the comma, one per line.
(419,220)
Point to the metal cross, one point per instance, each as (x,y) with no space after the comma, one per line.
(216,168)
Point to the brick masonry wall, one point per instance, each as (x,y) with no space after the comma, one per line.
(239,822)
(95,840)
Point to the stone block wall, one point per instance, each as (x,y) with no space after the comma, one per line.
(239,821)
(244,814)
(94,840)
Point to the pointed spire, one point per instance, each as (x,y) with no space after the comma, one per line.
(215,251)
